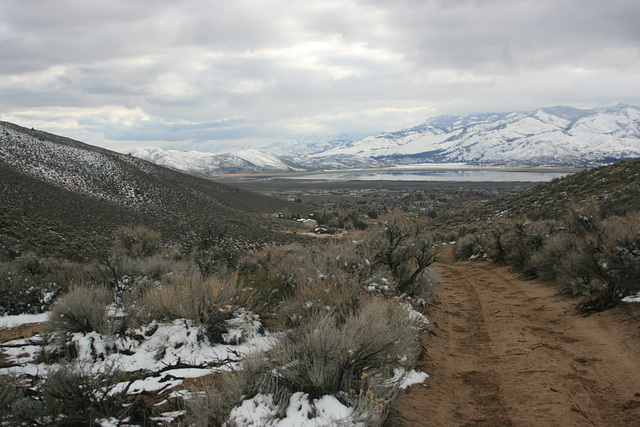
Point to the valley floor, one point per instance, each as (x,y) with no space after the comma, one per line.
(506,351)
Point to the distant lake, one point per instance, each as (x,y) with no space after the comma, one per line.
(476,175)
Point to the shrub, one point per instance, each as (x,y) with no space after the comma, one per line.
(310,300)
(287,263)
(327,356)
(402,250)
(83,309)
(152,267)
(30,284)
(211,302)
(77,390)
(545,264)
(469,245)
(72,394)
(603,264)
(214,253)
(213,405)
(354,358)
(137,242)
(268,291)
(622,256)
(17,407)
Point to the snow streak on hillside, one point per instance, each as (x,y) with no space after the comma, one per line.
(75,166)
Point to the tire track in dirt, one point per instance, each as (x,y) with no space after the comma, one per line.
(506,351)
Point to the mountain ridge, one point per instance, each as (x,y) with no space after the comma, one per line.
(558,136)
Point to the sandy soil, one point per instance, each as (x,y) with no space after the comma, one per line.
(506,351)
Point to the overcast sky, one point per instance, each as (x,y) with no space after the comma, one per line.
(216,75)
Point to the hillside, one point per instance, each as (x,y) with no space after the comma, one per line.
(64,183)
(615,188)
(248,161)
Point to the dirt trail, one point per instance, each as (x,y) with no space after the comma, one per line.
(505,351)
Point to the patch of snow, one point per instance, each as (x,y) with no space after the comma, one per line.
(635,298)
(413,377)
(8,322)
(261,411)
(178,341)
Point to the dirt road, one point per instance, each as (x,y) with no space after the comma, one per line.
(506,351)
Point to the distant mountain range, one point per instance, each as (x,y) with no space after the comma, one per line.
(66,184)
(555,136)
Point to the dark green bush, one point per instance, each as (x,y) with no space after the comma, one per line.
(545,264)
(623,254)
(594,259)
(18,408)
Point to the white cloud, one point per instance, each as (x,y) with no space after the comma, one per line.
(210,74)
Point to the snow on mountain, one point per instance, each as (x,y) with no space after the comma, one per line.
(244,161)
(559,136)
(247,161)
(554,136)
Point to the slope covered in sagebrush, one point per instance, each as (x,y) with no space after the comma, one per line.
(65,183)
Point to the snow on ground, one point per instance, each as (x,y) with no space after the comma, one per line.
(261,410)
(634,298)
(161,345)
(413,377)
(301,412)
(7,322)
(164,345)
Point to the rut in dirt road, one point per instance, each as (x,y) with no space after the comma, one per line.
(506,351)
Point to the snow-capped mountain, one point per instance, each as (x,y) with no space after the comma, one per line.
(251,160)
(555,136)
(248,161)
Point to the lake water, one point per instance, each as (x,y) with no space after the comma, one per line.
(477,175)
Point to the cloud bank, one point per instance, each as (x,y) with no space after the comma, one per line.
(221,75)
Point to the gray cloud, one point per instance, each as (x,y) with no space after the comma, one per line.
(201,74)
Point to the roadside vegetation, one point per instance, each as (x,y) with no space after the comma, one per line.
(586,254)
(339,320)
(580,233)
